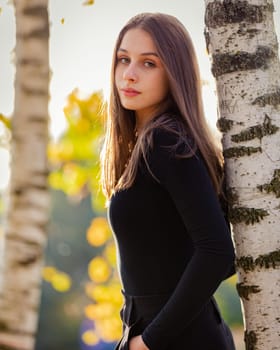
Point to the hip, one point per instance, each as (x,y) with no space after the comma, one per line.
(207,331)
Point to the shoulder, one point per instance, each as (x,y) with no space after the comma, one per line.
(170,135)
(172,153)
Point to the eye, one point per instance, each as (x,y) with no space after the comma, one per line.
(123,60)
(149,64)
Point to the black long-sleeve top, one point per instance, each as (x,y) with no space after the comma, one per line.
(172,237)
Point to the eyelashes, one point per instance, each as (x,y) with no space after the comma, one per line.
(126,60)
(123,60)
(149,64)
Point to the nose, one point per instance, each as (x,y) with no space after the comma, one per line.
(130,73)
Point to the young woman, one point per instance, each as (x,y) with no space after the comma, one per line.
(162,175)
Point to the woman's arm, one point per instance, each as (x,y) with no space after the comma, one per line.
(190,188)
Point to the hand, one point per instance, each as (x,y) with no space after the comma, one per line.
(136,343)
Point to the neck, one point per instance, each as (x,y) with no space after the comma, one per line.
(141,121)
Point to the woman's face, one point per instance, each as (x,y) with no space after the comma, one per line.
(140,78)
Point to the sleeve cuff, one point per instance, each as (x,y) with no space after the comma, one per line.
(159,342)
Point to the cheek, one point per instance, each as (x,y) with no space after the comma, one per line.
(118,75)
(164,86)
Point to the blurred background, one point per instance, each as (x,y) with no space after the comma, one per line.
(81,293)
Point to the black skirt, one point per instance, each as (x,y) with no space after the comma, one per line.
(207,331)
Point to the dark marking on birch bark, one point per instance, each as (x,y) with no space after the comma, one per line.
(251,340)
(240,151)
(34,251)
(273,186)
(18,191)
(264,329)
(234,11)
(224,124)
(38,119)
(3,325)
(34,91)
(244,290)
(232,196)
(6,347)
(36,11)
(270,260)
(30,62)
(268,99)
(229,106)
(250,32)
(257,131)
(242,32)
(241,61)
(246,263)
(40,33)
(247,215)
(29,260)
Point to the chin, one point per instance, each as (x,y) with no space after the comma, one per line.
(129,106)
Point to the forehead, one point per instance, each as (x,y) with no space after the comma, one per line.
(138,41)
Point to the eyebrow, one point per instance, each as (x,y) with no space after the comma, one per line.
(142,54)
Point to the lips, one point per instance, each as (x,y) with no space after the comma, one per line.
(129,92)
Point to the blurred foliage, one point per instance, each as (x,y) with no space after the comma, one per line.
(69,253)
(5,131)
(229,302)
(105,310)
(75,171)
(88,2)
(1,205)
(59,280)
(98,232)
(75,156)
(6,121)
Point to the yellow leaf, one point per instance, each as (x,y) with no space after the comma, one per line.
(232,280)
(90,338)
(99,311)
(88,2)
(109,293)
(110,253)
(97,293)
(48,273)
(6,121)
(62,20)
(61,282)
(110,329)
(99,270)
(98,232)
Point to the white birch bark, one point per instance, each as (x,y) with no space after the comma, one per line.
(241,40)
(27,215)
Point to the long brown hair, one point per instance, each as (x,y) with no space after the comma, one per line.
(121,151)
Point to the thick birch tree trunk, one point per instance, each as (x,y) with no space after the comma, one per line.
(27,215)
(241,39)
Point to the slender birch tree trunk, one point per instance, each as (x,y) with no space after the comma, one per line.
(241,39)
(27,215)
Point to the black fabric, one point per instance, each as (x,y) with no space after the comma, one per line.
(172,238)
(207,332)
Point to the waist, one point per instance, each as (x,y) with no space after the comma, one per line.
(142,306)
(146,307)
